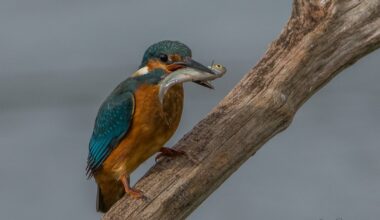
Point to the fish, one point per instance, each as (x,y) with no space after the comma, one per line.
(189,74)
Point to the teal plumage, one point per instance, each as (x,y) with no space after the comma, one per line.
(165,47)
(114,118)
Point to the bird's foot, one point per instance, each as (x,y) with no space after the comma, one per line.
(169,152)
(132,192)
(135,193)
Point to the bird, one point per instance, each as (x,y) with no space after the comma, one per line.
(132,124)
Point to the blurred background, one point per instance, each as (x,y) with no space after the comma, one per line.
(60,59)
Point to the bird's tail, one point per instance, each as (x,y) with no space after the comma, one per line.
(109,192)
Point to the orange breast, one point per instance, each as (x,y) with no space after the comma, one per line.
(152,126)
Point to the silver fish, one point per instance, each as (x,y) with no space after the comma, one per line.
(189,74)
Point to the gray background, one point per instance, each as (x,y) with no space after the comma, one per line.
(60,59)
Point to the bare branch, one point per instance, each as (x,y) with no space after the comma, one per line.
(320,39)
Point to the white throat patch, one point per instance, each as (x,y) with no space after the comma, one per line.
(142,71)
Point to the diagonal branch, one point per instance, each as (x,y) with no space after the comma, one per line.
(321,38)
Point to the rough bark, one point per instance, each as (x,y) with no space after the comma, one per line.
(320,39)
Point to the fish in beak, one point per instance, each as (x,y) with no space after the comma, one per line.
(189,62)
(194,73)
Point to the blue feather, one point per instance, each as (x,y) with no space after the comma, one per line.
(114,119)
(111,124)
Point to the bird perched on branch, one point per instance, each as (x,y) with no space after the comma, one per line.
(132,124)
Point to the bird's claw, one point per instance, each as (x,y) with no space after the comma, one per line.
(169,152)
(135,193)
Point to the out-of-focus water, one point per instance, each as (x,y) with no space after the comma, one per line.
(59,60)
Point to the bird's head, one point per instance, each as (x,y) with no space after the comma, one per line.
(170,56)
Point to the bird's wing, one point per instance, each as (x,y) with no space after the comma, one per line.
(111,124)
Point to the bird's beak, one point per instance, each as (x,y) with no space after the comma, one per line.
(190,73)
(188,62)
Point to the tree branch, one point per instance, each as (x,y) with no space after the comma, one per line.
(321,38)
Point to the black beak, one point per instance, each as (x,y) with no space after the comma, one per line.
(205,84)
(195,65)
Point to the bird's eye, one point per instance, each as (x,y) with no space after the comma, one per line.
(163,57)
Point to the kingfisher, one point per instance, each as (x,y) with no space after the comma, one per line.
(133,124)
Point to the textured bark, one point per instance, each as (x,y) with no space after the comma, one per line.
(320,39)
